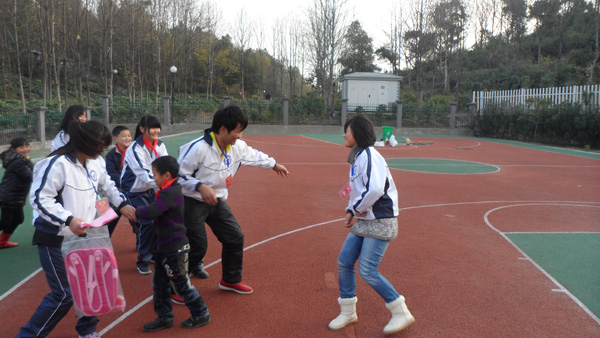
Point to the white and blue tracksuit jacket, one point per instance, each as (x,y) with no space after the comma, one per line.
(373,188)
(136,175)
(63,188)
(59,140)
(201,161)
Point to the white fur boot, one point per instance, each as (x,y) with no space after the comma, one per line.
(347,315)
(401,317)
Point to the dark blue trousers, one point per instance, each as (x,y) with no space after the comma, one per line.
(58,302)
(145,239)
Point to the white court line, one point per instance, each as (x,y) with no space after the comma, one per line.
(548,165)
(550,232)
(131,311)
(561,288)
(14,288)
(145,301)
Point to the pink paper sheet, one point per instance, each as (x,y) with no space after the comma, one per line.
(108,216)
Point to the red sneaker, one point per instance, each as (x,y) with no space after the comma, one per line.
(240,287)
(177,300)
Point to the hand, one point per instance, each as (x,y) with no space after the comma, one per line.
(208,194)
(349,220)
(281,170)
(361,214)
(77,227)
(129,212)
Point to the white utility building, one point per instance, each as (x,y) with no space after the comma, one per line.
(369,90)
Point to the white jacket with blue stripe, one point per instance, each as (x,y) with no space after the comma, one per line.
(62,188)
(201,162)
(373,188)
(136,175)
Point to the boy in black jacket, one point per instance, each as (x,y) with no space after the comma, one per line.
(172,248)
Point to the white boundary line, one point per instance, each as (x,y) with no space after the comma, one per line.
(14,288)
(561,288)
(145,301)
(525,257)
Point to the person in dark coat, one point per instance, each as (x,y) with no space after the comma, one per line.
(14,188)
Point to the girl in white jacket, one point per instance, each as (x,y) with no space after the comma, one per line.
(371,215)
(138,183)
(65,188)
(75,113)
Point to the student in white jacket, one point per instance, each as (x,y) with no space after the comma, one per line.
(371,215)
(65,188)
(208,166)
(138,183)
(75,113)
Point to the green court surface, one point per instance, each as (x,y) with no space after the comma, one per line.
(440,166)
(571,258)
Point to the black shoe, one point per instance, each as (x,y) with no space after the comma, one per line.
(199,272)
(194,322)
(158,324)
(144,269)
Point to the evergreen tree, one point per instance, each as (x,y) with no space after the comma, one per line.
(357,53)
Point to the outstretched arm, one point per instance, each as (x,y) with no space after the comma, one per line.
(281,170)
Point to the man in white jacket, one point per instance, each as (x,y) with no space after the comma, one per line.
(208,165)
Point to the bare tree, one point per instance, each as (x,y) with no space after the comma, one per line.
(486,14)
(15,15)
(279,53)
(420,43)
(596,46)
(294,36)
(448,18)
(242,35)
(260,37)
(213,18)
(327,20)
(392,50)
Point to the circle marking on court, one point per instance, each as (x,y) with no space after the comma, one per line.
(441,166)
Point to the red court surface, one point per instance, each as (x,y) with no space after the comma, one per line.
(460,277)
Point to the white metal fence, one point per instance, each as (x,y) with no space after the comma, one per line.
(586,95)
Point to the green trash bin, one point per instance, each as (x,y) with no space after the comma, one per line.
(387,132)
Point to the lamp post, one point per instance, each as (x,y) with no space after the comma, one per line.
(115,72)
(173,71)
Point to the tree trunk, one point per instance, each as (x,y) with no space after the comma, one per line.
(18,49)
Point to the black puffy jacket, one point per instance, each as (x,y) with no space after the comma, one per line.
(16,180)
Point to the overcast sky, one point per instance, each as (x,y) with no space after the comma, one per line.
(374,15)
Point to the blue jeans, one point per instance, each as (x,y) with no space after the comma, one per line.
(58,302)
(170,274)
(370,251)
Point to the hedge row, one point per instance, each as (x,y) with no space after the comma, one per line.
(570,125)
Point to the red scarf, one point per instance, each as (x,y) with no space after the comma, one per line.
(122,151)
(151,146)
(165,185)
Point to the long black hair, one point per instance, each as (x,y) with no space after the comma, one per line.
(90,138)
(71,115)
(147,122)
(362,130)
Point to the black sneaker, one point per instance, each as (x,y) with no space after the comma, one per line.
(158,324)
(144,269)
(194,322)
(199,272)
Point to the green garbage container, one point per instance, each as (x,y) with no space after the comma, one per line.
(387,132)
